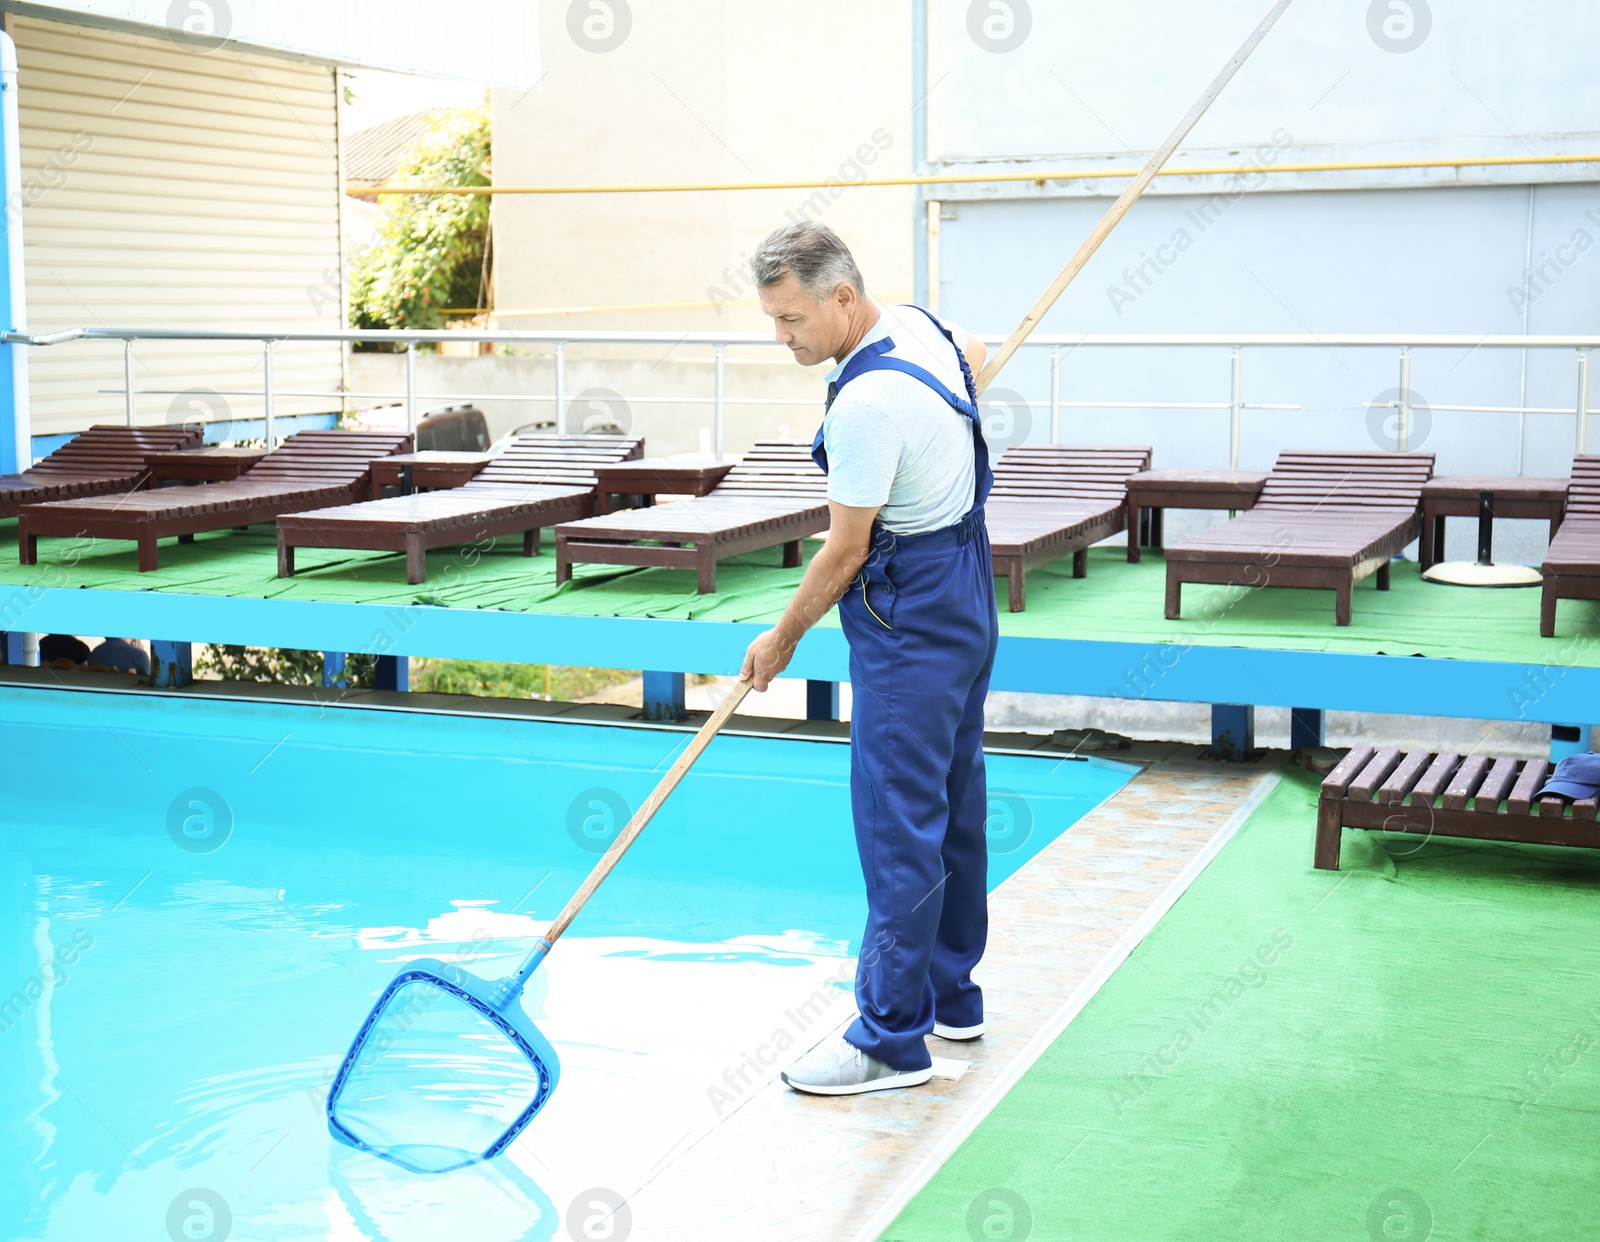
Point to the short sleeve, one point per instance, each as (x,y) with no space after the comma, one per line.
(864,449)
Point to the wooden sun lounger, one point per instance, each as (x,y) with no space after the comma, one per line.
(102,459)
(310,470)
(538,481)
(1324,520)
(1449,796)
(1052,501)
(1572,565)
(775,495)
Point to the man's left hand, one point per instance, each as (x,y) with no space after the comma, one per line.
(765,659)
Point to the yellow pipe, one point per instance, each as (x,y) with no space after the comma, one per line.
(1482,161)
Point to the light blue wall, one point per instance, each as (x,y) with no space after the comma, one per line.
(1427,260)
(1410,251)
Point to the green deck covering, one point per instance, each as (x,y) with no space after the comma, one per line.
(1416,1048)
(1116,602)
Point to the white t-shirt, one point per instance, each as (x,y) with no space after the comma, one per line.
(893,441)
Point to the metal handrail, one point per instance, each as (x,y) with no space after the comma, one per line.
(1056,342)
(511,336)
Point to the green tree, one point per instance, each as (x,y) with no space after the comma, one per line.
(433,249)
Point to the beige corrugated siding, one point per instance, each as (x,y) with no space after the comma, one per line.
(169,188)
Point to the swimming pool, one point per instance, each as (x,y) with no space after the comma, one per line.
(203,897)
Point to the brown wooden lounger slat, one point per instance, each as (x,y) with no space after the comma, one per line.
(1435,779)
(310,470)
(1572,563)
(1324,521)
(1342,805)
(537,481)
(1374,774)
(1534,773)
(1338,780)
(102,459)
(775,496)
(1406,774)
(1051,501)
(1469,776)
(1496,785)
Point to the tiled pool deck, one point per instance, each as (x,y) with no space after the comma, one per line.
(785,1166)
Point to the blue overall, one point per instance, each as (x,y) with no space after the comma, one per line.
(921,623)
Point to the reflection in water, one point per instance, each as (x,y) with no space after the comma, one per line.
(387,1204)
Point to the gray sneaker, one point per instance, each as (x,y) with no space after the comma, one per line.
(838,1067)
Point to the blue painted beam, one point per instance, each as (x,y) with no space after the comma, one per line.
(392,673)
(16,429)
(1233,731)
(1567,740)
(822,700)
(333,673)
(1306,728)
(1557,693)
(664,696)
(171,663)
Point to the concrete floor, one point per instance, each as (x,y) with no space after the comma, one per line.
(1145,720)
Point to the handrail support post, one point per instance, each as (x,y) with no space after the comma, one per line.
(266,389)
(1236,410)
(718,416)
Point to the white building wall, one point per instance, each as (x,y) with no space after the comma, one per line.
(168,187)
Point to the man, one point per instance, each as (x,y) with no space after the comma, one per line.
(907,561)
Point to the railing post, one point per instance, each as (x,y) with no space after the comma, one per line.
(128,408)
(1583,401)
(1236,403)
(1055,394)
(411,387)
(561,388)
(266,387)
(718,409)
(1403,440)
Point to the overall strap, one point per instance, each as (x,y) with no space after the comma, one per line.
(872,358)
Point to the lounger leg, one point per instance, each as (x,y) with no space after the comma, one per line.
(1341,601)
(1018,588)
(530,542)
(147,554)
(285,557)
(1080,563)
(791,554)
(1174,592)
(1133,533)
(1547,607)
(1326,854)
(1438,540)
(27,546)
(186,538)
(706,579)
(416,559)
(563,565)
(1383,575)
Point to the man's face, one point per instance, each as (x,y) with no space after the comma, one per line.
(814,331)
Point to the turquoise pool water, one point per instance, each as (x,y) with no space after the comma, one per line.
(202,899)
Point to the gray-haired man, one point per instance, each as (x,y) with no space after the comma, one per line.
(907,560)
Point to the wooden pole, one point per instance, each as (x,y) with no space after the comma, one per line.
(1126,200)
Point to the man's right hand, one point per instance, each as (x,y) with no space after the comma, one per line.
(765,659)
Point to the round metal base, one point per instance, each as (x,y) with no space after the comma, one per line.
(1471,574)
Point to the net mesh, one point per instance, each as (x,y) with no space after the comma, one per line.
(435,1082)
